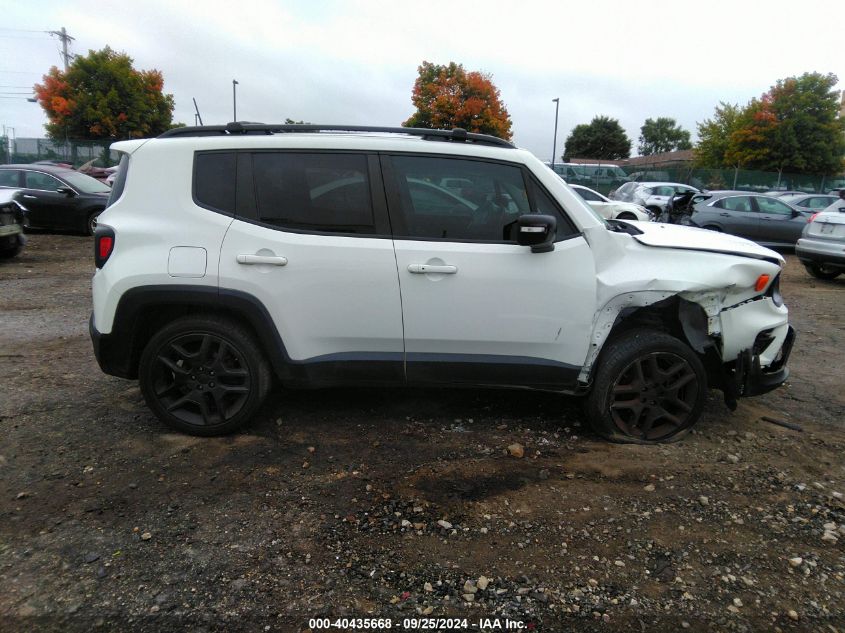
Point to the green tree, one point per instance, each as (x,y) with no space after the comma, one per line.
(603,138)
(794,127)
(448,96)
(101,96)
(662,134)
(714,136)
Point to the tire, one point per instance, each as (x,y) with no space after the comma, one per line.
(91,222)
(203,375)
(649,388)
(820,271)
(8,253)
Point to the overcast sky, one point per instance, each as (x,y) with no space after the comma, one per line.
(355,61)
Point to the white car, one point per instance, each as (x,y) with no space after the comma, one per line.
(227,265)
(610,209)
(652,195)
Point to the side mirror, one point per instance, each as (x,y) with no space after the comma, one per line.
(66,190)
(537,231)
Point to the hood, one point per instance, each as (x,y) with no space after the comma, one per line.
(695,239)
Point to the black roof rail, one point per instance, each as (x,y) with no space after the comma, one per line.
(245,127)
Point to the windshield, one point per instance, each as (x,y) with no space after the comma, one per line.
(85,183)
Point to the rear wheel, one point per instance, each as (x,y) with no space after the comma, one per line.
(820,271)
(91,222)
(649,388)
(203,375)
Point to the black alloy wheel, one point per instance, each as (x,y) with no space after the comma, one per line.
(654,396)
(203,376)
(649,387)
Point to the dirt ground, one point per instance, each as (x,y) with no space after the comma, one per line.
(405,504)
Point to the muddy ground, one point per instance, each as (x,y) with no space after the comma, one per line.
(328,505)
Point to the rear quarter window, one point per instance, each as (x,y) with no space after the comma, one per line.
(214,181)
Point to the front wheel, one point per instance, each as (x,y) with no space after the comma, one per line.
(820,271)
(203,375)
(649,387)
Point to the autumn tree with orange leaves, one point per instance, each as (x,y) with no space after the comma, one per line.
(449,96)
(101,96)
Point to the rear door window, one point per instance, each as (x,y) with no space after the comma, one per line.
(9,178)
(321,192)
(736,203)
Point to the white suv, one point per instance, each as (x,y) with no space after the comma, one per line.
(328,255)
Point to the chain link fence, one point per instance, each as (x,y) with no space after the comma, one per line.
(76,153)
(742,179)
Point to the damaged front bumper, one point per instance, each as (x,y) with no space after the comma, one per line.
(750,378)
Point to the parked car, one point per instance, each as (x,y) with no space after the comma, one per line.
(821,247)
(232,271)
(777,193)
(608,209)
(593,174)
(57,198)
(12,221)
(651,195)
(763,219)
(811,202)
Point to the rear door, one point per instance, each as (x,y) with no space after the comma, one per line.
(477,307)
(311,240)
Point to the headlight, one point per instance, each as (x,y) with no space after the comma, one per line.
(774,291)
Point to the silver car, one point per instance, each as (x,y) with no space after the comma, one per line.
(610,210)
(651,195)
(821,247)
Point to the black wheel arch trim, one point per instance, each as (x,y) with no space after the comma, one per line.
(118,352)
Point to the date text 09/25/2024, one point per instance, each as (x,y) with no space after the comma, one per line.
(420,624)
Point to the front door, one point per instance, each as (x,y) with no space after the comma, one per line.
(311,241)
(778,223)
(47,207)
(477,307)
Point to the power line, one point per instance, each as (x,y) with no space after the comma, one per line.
(6,28)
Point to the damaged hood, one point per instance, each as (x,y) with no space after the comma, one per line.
(695,239)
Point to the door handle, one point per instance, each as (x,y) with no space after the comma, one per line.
(29,197)
(725,215)
(423,269)
(272,260)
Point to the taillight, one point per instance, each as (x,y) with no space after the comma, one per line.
(103,245)
(813,217)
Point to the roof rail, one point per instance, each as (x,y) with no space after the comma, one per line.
(244,127)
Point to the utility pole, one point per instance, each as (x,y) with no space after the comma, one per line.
(554,141)
(234,101)
(62,35)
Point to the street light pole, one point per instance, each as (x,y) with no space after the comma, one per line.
(234,101)
(554,142)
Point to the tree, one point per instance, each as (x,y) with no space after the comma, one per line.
(101,96)
(449,96)
(714,136)
(662,135)
(603,138)
(793,127)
